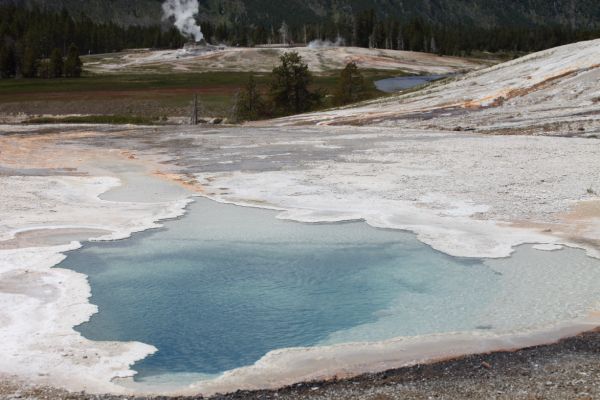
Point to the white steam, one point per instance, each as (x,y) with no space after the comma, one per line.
(183,12)
(321,44)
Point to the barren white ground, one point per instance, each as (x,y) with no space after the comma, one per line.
(465,195)
(263,60)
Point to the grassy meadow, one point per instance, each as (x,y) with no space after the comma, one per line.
(143,98)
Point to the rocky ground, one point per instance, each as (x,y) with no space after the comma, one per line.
(569,369)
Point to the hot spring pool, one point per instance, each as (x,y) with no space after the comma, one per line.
(224,285)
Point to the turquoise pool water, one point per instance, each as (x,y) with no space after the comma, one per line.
(224,285)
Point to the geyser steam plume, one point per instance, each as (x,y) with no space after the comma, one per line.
(183,12)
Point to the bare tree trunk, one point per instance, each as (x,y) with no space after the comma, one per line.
(194,117)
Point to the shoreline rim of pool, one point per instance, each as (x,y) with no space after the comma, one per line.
(582,325)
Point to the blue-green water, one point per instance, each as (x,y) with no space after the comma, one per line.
(224,285)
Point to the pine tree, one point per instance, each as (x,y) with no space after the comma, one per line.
(8,61)
(29,69)
(250,104)
(290,86)
(56,64)
(351,86)
(44,69)
(73,64)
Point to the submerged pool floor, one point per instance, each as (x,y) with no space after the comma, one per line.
(224,285)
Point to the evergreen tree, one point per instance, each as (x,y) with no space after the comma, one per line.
(221,33)
(365,24)
(44,69)
(250,104)
(30,65)
(290,83)
(73,64)
(351,86)
(8,62)
(56,64)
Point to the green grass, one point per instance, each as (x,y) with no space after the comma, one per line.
(123,82)
(140,82)
(496,57)
(113,98)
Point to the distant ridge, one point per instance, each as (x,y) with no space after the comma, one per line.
(577,14)
(121,12)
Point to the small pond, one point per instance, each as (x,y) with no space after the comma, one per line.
(396,84)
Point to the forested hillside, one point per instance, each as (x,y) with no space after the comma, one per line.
(119,12)
(32,29)
(580,14)
(29,36)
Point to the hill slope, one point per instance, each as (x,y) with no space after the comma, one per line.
(122,12)
(260,60)
(550,92)
(484,13)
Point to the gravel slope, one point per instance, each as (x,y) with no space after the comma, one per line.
(566,370)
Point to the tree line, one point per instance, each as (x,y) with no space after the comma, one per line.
(367,29)
(34,34)
(31,37)
(290,91)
